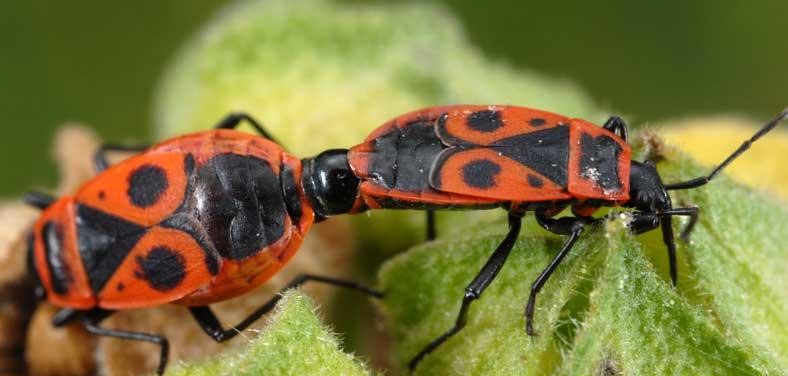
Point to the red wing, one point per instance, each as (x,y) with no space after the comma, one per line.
(484,172)
(144,189)
(164,266)
(77,294)
(483,125)
(598,163)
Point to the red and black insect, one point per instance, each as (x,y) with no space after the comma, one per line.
(470,157)
(193,220)
(205,217)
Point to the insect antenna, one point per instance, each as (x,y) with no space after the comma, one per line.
(703,180)
(38,199)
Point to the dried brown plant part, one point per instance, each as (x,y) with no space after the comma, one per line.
(326,250)
(16,219)
(653,145)
(62,351)
(13,319)
(16,301)
(73,149)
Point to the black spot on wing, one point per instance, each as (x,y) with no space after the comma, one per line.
(485,121)
(104,242)
(163,268)
(537,122)
(545,151)
(599,161)
(146,185)
(60,273)
(480,173)
(535,181)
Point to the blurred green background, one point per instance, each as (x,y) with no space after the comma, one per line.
(99,63)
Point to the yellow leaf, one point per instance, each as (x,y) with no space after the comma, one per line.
(711,140)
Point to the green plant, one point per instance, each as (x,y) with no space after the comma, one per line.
(293,342)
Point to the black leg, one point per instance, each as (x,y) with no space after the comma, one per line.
(431,233)
(93,318)
(475,289)
(691,212)
(571,226)
(644,222)
(666,219)
(232,120)
(38,200)
(670,244)
(211,325)
(618,126)
(64,316)
(100,161)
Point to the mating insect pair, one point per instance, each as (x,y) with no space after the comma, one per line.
(209,216)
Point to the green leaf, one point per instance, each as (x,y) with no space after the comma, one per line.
(323,74)
(609,308)
(294,342)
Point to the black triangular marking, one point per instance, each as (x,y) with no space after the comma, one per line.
(545,151)
(104,242)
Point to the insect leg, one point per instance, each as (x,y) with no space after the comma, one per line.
(38,199)
(64,316)
(571,226)
(691,212)
(100,161)
(644,222)
(93,318)
(431,233)
(618,126)
(232,120)
(475,289)
(210,323)
(666,223)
